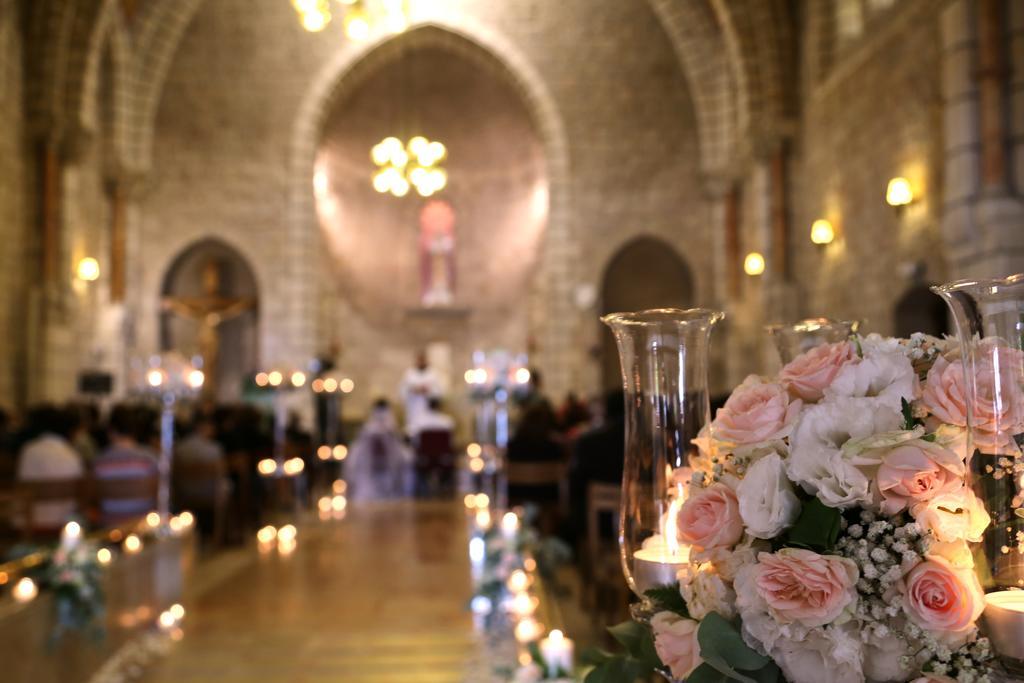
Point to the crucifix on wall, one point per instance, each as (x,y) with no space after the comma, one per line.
(209,311)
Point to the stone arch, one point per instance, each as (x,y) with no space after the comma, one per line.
(157,34)
(919,309)
(645,272)
(183,277)
(452,31)
(93,24)
(698,43)
(51,30)
(152,281)
(758,38)
(106,61)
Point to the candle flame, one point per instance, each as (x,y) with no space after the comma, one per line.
(671,525)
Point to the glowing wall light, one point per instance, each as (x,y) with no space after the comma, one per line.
(899,192)
(822,232)
(88,269)
(753,264)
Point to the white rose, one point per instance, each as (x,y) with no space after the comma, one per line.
(726,561)
(885,374)
(767,502)
(954,516)
(826,655)
(705,592)
(957,553)
(875,343)
(883,658)
(817,460)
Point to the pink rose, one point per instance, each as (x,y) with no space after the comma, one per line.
(943,599)
(675,640)
(809,374)
(710,518)
(805,587)
(999,409)
(756,412)
(915,472)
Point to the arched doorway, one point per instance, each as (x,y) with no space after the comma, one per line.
(211,309)
(920,310)
(645,273)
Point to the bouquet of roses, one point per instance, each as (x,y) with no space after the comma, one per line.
(828,520)
(74,575)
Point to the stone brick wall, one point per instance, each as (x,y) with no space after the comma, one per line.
(644,114)
(875,114)
(221,164)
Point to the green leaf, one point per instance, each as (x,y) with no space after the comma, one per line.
(767,674)
(705,673)
(536,656)
(668,598)
(595,656)
(630,635)
(817,527)
(908,414)
(720,640)
(619,670)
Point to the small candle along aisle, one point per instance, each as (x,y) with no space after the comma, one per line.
(663,353)
(557,652)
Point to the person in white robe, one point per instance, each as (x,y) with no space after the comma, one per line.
(379,464)
(419,384)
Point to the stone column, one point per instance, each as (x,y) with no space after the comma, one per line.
(982,212)
(44,292)
(723,196)
(117,193)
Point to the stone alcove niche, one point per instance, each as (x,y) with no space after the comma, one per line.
(445,88)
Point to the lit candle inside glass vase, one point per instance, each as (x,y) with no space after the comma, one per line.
(661,556)
(1004,624)
(664,358)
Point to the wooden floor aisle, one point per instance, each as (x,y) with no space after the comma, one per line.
(379,596)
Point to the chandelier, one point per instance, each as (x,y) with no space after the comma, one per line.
(359,17)
(415,164)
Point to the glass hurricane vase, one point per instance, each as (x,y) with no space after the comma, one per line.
(664,357)
(799,337)
(989,317)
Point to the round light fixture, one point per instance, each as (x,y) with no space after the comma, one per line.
(412,165)
(899,192)
(822,232)
(753,264)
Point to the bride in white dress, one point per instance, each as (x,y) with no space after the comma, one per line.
(379,464)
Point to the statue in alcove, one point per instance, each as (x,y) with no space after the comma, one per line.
(437,254)
(208,316)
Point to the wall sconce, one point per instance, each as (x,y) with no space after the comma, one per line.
(899,193)
(822,232)
(753,264)
(88,269)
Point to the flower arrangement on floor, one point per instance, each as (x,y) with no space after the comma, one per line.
(74,575)
(827,521)
(507,559)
